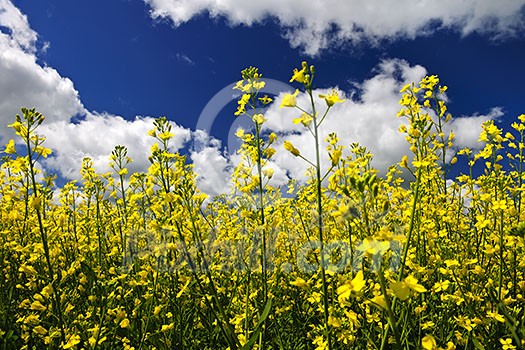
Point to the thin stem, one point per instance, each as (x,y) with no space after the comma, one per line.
(319,193)
(43,234)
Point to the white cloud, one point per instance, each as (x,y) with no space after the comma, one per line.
(96,136)
(26,83)
(213,168)
(467,129)
(315,25)
(21,34)
(369,119)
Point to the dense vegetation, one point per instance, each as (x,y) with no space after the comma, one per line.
(349,259)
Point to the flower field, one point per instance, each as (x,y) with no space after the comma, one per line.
(351,259)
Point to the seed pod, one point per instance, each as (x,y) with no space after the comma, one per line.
(352,182)
(375,189)
(372,180)
(361,186)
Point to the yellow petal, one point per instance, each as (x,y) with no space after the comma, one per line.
(400,290)
(358,282)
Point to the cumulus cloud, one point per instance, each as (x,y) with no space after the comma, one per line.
(26,83)
(315,25)
(96,136)
(212,166)
(368,118)
(21,34)
(468,128)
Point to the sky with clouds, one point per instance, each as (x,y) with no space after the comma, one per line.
(102,71)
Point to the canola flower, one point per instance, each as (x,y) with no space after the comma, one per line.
(350,259)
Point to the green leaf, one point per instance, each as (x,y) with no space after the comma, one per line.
(257,330)
(477,344)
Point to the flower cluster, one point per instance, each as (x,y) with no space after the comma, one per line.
(352,258)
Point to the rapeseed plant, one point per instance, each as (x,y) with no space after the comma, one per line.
(352,258)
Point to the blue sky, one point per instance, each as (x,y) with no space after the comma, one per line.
(100,70)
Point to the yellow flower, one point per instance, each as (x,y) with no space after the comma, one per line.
(37,306)
(298,75)
(411,282)
(268,172)
(31,319)
(35,202)
(420,163)
(402,289)
(40,330)
(379,301)
(265,100)
(332,98)
(506,344)
(404,161)
(270,152)
(20,129)
(335,156)
(427,325)
(429,82)
(258,118)
(301,283)
(165,135)
(166,327)
(406,87)
(239,133)
(334,322)
(321,343)
(441,286)
(241,109)
(10,147)
(154,147)
(289,100)
(496,316)
(356,285)
(465,322)
(43,151)
(518,127)
(372,246)
(290,148)
(124,323)
(27,269)
(72,342)
(428,342)
(305,119)
(499,204)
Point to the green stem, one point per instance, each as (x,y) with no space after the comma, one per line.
(407,244)
(390,313)
(319,194)
(43,234)
(263,222)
